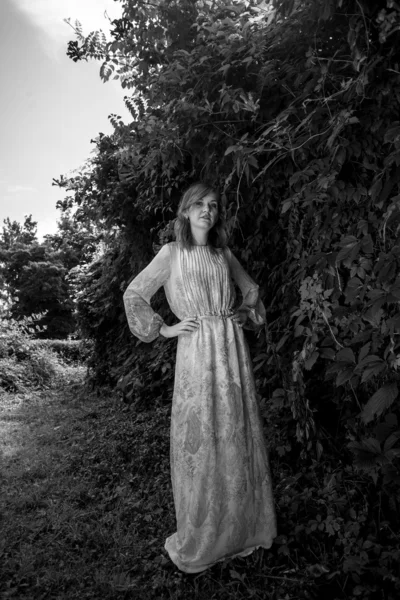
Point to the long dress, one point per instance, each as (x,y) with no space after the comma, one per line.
(219,462)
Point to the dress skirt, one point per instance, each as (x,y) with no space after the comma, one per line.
(219,463)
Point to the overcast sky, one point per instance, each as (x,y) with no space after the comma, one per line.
(50,107)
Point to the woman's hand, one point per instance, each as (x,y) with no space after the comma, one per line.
(185,326)
(239,318)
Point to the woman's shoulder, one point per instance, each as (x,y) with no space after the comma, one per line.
(165,248)
(226,251)
(169,249)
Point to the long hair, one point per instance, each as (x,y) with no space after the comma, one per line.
(217,235)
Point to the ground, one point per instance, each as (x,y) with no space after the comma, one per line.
(86,505)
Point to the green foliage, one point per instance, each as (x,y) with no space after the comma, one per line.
(293,110)
(34,277)
(70,351)
(308,173)
(26,363)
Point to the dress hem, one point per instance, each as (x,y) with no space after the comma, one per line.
(199,569)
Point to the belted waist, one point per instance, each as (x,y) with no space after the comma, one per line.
(222,314)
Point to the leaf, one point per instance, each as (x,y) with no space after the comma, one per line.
(367,244)
(352,248)
(349,240)
(309,363)
(231,149)
(363,352)
(391,440)
(224,69)
(367,453)
(373,369)
(236,575)
(392,134)
(380,401)
(375,189)
(353,288)
(371,358)
(282,341)
(346,355)
(328,353)
(279,392)
(344,376)
(286,205)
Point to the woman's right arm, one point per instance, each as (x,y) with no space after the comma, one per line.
(143,321)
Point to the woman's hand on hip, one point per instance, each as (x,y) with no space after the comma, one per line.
(239,318)
(185,326)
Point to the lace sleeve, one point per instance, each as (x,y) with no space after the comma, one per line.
(143,322)
(251,303)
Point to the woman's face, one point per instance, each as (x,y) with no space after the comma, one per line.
(203,214)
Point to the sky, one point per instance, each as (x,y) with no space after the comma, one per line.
(50,107)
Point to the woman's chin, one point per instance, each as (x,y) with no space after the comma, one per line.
(205,224)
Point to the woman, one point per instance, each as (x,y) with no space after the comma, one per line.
(219,464)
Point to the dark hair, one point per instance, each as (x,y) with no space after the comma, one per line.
(217,235)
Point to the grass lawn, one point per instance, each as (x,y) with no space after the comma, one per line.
(86,505)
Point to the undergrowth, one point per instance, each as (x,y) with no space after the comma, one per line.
(27,362)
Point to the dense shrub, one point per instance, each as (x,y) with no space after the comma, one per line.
(71,351)
(26,362)
(295,115)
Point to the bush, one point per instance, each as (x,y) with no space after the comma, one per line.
(70,351)
(24,361)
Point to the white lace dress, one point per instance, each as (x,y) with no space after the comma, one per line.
(219,462)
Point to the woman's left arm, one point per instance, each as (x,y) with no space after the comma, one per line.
(252,310)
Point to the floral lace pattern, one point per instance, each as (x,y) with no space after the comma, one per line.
(219,462)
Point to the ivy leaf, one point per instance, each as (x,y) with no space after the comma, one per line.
(380,401)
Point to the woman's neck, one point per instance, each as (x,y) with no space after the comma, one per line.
(199,239)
